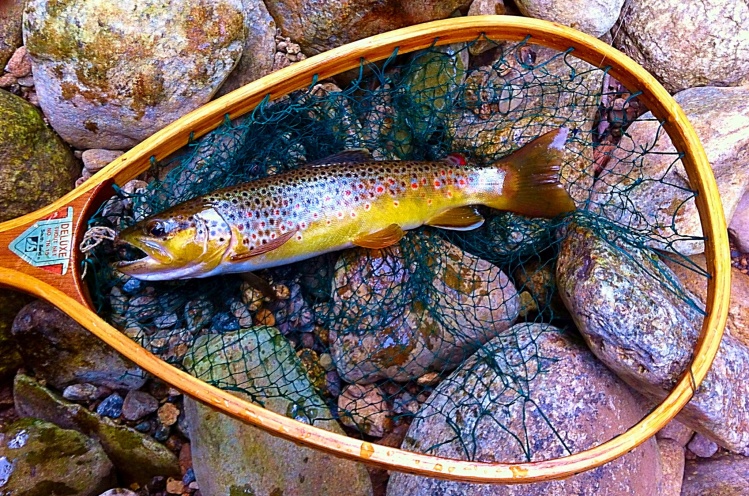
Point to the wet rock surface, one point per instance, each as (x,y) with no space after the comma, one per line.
(38,458)
(575,404)
(51,339)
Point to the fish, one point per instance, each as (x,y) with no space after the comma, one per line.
(346,201)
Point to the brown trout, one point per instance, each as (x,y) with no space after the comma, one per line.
(317,209)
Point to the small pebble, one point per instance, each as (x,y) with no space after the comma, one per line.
(364,407)
(133,286)
(80,392)
(111,406)
(242,313)
(162,433)
(119,491)
(326,362)
(265,317)
(7,80)
(19,64)
(188,477)
(144,426)
(96,159)
(168,414)
(224,322)
(166,320)
(428,379)
(307,340)
(333,383)
(138,404)
(26,82)
(174,486)
(702,446)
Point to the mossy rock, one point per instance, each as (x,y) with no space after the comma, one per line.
(36,167)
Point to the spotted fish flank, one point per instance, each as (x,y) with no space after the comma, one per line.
(321,208)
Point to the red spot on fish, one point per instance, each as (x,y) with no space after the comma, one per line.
(262,224)
(424,181)
(353,215)
(282,228)
(240,227)
(327,222)
(303,225)
(380,189)
(339,214)
(456,159)
(437,183)
(429,201)
(314,215)
(299,237)
(395,203)
(367,206)
(442,172)
(297,206)
(249,214)
(414,185)
(360,185)
(347,193)
(254,236)
(461,182)
(272,235)
(278,212)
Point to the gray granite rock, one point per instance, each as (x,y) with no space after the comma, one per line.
(688,44)
(649,192)
(594,17)
(533,394)
(229,456)
(111,88)
(722,476)
(638,320)
(38,458)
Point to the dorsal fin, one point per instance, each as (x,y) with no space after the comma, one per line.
(352,156)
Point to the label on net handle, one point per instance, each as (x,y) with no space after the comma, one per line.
(47,244)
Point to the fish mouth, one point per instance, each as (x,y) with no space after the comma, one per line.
(139,257)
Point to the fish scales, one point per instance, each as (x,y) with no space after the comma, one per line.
(317,209)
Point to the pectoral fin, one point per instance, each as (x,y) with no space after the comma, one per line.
(457,219)
(249,252)
(380,239)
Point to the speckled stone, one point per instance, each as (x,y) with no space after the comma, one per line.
(594,17)
(399,314)
(318,26)
(629,309)
(36,167)
(112,87)
(696,282)
(11,16)
(672,464)
(651,194)
(493,409)
(260,362)
(723,476)
(688,44)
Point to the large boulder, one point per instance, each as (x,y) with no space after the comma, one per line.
(108,76)
(319,26)
(533,394)
(687,44)
(594,17)
(640,321)
(11,15)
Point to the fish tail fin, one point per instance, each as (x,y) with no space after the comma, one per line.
(531,186)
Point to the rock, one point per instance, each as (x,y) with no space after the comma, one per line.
(672,464)
(259,47)
(318,30)
(51,338)
(485,7)
(513,92)
(688,44)
(136,456)
(702,446)
(676,431)
(722,476)
(11,17)
(168,414)
(95,159)
(111,406)
(81,392)
(19,65)
(739,225)
(10,303)
(118,492)
(643,325)
(691,274)
(594,17)
(112,88)
(269,372)
(420,306)
(497,407)
(138,404)
(364,407)
(38,458)
(649,192)
(36,167)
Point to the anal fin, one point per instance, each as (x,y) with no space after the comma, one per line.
(457,219)
(380,239)
(246,253)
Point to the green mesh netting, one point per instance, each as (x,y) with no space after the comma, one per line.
(402,318)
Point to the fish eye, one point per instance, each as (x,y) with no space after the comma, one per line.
(156,228)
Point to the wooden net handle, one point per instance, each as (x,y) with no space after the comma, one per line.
(338,60)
